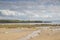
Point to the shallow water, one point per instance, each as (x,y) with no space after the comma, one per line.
(25,23)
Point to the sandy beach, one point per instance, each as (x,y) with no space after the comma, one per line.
(41,33)
(12,34)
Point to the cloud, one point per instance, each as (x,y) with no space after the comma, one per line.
(9,12)
(35,10)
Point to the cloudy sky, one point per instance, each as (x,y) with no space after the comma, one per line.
(30,9)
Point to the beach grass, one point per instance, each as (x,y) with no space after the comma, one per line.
(26,26)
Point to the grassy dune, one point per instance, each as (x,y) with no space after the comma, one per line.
(26,26)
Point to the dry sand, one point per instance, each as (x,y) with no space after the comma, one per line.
(6,34)
(24,34)
(48,35)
